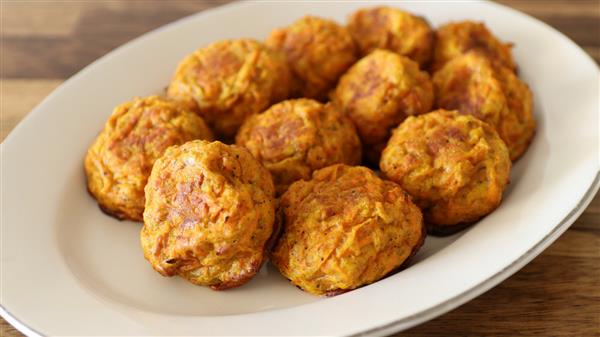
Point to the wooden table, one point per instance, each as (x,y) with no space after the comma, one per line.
(557,294)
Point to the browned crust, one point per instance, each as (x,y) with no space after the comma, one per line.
(447,230)
(115,214)
(277,230)
(121,216)
(266,252)
(441,230)
(418,243)
(529,141)
(241,279)
(269,245)
(403,266)
(416,248)
(336,292)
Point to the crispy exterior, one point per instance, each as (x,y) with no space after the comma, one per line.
(378,92)
(345,228)
(230,80)
(318,51)
(118,164)
(457,38)
(210,211)
(296,137)
(392,29)
(472,85)
(454,166)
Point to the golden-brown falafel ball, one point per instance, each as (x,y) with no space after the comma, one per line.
(454,166)
(345,228)
(378,92)
(295,137)
(230,80)
(472,85)
(118,164)
(456,38)
(318,51)
(394,30)
(210,211)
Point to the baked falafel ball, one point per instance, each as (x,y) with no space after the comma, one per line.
(210,212)
(137,133)
(456,38)
(318,52)
(454,166)
(345,228)
(472,85)
(378,92)
(394,30)
(296,137)
(230,80)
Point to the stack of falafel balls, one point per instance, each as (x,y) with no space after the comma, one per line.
(441,113)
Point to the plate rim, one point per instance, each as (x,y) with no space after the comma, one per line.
(521,261)
(490,282)
(442,307)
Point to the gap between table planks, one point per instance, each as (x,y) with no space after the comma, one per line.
(557,294)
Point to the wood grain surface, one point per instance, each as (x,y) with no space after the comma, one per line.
(557,294)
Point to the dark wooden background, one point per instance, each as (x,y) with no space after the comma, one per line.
(557,294)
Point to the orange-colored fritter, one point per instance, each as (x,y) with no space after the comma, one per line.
(345,228)
(318,51)
(118,164)
(457,38)
(230,80)
(471,84)
(454,166)
(296,137)
(210,211)
(392,29)
(378,92)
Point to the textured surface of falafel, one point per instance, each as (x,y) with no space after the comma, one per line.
(230,80)
(137,133)
(345,228)
(454,166)
(456,38)
(318,51)
(392,29)
(378,92)
(296,137)
(210,212)
(471,84)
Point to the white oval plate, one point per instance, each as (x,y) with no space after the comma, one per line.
(68,269)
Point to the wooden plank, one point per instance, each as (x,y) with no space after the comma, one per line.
(551,296)
(579,20)
(594,52)
(7,330)
(61,18)
(90,30)
(585,31)
(586,247)
(23,18)
(54,57)
(19,97)
(58,52)
(564,8)
(590,219)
